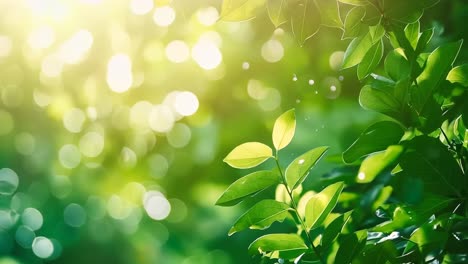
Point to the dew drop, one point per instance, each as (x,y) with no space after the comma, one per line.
(361,176)
(301,161)
(294,78)
(311,82)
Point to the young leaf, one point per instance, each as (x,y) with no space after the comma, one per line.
(375,138)
(240,10)
(437,67)
(356,51)
(276,11)
(299,168)
(370,60)
(330,13)
(350,246)
(284,128)
(459,75)
(248,155)
(305,20)
(353,22)
(355,2)
(376,163)
(261,216)
(278,242)
(321,205)
(376,32)
(248,186)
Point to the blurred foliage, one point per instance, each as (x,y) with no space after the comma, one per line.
(115,116)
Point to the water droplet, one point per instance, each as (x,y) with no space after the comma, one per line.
(341,77)
(245,65)
(311,82)
(361,175)
(301,161)
(294,78)
(298,101)
(333,88)
(316,92)
(8,181)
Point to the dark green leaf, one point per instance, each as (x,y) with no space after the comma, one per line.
(248,155)
(350,246)
(239,10)
(284,128)
(321,205)
(353,23)
(356,51)
(437,66)
(459,75)
(380,101)
(247,186)
(377,137)
(429,238)
(430,160)
(380,253)
(278,242)
(424,39)
(370,60)
(305,20)
(277,11)
(400,219)
(403,11)
(374,164)
(299,168)
(396,66)
(261,216)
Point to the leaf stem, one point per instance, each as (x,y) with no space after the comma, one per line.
(295,208)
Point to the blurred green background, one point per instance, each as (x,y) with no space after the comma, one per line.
(115,117)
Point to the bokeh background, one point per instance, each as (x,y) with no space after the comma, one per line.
(115,116)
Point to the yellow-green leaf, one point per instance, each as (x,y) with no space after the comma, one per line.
(248,186)
(299,168)
(248,155)
(376,163)
(284,128)
(305,20)
(240,10)
(321,205)
(356,51)
(276,11)
(278,242)
(459,75)
(370,60)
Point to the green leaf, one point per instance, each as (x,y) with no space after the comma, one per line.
(412,33)
(437,67)
(424,39)
(284,128)
(375,138)
(353,23)
(334,229)
(248,155)
(276,11)
(355,2)
(321,205)
(330,13)
(400,219)
(350,246)
(403,11)
(248,186)
(396,66)
(370,60)
(459,75)
(356,51)
(430,160)
(261,216)
(299,168)
(278,242)
(305,20)
(378,162)
(240,10)
(429,238)
(380,101)
(376,32)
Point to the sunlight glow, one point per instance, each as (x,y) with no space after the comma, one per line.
(156,205)
(177,51)
(161,118)
(186,103)
(5,46)
(41,38)
(119,73)
(69,156)
(141,7)
(164,16)
(32,218)
(272,51)
(73,120)
(206,54)
(208,16)
(74,49)
(92,144)
(8,181)
(43,247)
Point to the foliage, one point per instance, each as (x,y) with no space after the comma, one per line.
(407,201)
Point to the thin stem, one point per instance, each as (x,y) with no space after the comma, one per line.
(294,207)
(461,160)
